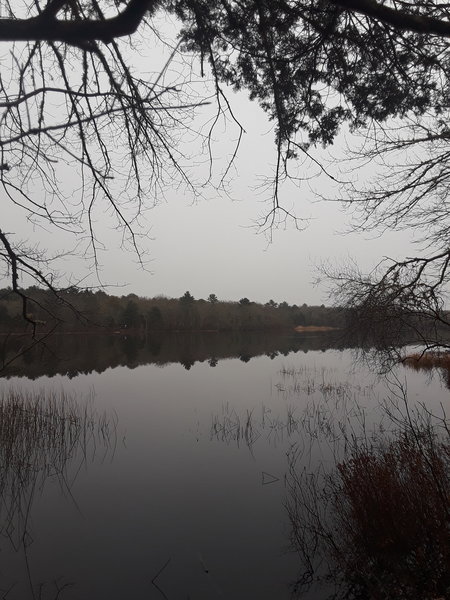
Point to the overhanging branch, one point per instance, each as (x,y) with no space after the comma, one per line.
(45,27)
(400,19)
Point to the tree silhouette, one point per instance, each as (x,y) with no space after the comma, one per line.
(244,302)
(154,318)
(130,315)
(187,299)
(74,100)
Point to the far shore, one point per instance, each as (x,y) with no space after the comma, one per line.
(306,328)
(133,331)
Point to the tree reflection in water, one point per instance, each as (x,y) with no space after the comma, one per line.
(376,526)
(74,354)
(43,436)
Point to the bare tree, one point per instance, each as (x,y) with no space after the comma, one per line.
(71,102)
(402,300)
(73,99)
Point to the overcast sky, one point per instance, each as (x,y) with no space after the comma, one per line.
(214,246)
(211,245)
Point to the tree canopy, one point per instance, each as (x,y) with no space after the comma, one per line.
(74,99)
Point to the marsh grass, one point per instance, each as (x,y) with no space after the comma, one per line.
(246,429)
(229,427)
(430,361)
(314,403)
(375,521)
(367,484)
(42,435)
(323,381)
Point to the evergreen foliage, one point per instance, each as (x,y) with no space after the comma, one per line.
(89,310)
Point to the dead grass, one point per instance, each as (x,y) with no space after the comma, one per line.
(380,520)
(391,505)
(428,360)
(306,328)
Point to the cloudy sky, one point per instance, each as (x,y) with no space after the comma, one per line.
(212,244)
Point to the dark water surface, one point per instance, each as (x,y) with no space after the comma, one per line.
(183,496)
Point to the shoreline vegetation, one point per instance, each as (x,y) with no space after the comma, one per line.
(369,513)
(312,328)
(126,331)
(428,360)
(82,311)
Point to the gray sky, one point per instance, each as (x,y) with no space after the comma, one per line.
(211,245)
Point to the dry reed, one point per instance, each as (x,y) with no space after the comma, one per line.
(428,360)
(377,525)
(41,434)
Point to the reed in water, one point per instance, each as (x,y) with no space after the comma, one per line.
(41,435)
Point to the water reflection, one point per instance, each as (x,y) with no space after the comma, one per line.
(368,502)
(45,439)
(327,401)
(73,354)
(210,460)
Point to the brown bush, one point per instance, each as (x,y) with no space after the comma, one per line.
(428,360)
(391,507)
(379,524)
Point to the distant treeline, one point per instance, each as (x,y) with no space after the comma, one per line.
(75,310)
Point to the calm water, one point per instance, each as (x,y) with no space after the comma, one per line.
(184,496)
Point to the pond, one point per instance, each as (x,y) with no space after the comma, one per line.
(168,474)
